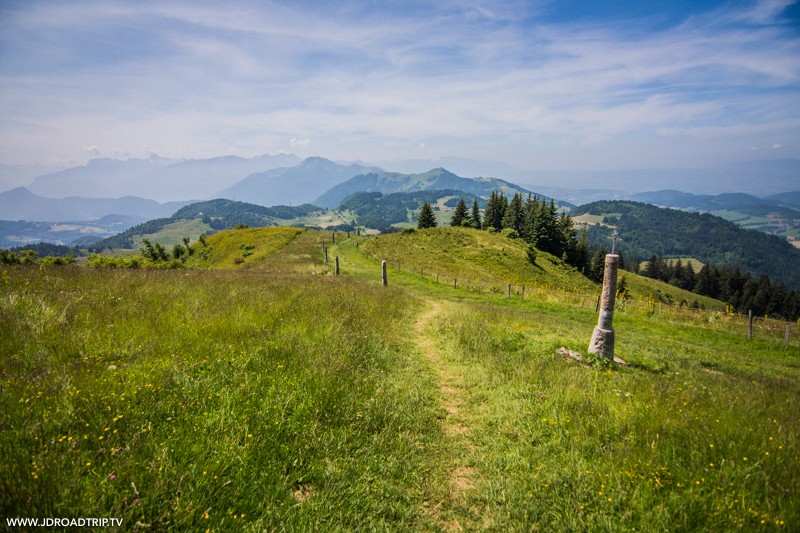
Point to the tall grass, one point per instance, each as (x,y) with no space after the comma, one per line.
(194,399)
(277,396)
(696,434)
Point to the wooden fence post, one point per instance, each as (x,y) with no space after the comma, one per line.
(750,324)
(523,291)
(455,283)
(336,269)
(383,270)
(509,291)
(786,336)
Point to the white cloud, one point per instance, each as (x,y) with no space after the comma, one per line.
(469,75)
(299,143)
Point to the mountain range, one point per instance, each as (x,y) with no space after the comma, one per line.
(392,182)
(155,178)
(298,184)
(22,204)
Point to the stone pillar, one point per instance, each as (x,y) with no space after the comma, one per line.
(602,342)
(383,271)
(336,269)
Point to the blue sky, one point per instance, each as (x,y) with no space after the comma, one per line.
(549,85)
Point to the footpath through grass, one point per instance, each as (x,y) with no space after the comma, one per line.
(219,400)
(699,432)
(282,397)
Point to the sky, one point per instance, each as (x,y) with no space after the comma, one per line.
(538,85)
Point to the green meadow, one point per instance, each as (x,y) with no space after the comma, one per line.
(258,391)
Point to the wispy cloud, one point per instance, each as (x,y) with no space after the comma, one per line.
(369,80)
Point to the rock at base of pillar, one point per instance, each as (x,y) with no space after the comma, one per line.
(602,343)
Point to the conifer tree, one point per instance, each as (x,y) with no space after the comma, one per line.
(475,219)
(566,229)
(495,211)
(545,233)
(491,207)
(598,265)
(427,218)
(514,216)
(460,214)
(582,255)
(531,209)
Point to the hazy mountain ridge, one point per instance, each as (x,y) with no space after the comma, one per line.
(392,182)
(22,204)
(155,178)
(708,202)
(298,184)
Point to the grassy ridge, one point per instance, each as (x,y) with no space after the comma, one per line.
(475,255)
(482,259)
(240,248)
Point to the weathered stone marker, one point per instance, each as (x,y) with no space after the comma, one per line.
(602,342)
(383,270)
(336,268)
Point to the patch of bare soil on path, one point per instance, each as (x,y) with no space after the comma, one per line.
(455,424)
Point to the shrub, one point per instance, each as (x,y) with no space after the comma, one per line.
(511,233)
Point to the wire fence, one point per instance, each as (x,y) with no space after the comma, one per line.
(763,328)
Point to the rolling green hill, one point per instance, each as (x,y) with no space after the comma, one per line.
(283,397)
(489,262)
(205,217)
(381,211)
(646,230)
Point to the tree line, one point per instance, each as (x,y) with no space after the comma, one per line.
(742,291)
(648,230)
(532,219)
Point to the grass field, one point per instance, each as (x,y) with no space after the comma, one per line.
(279,396)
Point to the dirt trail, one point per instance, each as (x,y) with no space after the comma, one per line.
(455,425)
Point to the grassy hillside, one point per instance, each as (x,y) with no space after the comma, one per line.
(240,248)
(489,262)
(648,230)
(283,397)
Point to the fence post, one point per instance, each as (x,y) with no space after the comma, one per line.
(326,252)
(333,237)
(786,336)
(383,271)
(750,324)
(336,269)
(509,291)
(455,283)
(523,291)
